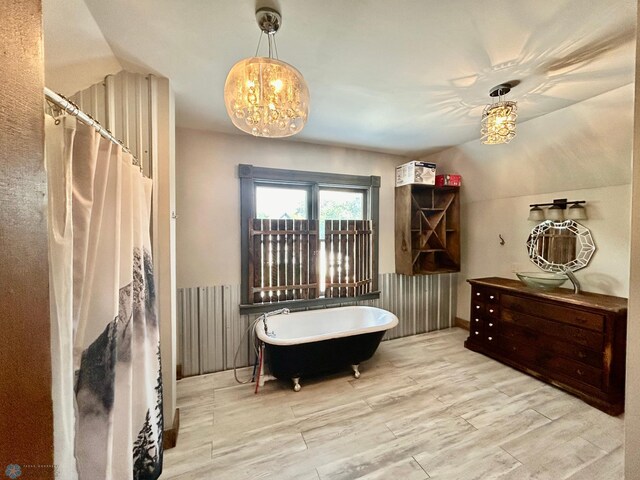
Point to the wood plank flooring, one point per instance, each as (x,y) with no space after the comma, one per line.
(424,407)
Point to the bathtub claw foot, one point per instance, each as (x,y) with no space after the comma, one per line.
(356,372)
(296,384)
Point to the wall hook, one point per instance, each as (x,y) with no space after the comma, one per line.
(501,239)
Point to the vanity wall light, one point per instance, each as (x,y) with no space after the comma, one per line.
(558,211)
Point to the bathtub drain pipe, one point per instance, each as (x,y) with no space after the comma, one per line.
(260,363)
(255,343)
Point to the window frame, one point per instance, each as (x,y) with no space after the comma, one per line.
(251,176)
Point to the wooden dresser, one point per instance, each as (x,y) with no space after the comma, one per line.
(575,342)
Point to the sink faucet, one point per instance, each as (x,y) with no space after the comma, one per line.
(574,280)
(269,314)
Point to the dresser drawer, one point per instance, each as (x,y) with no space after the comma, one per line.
(559,313)
(567,333)
(548,363)
(513,335)
(492,311)
(574,370)
(485,295)
(477,308)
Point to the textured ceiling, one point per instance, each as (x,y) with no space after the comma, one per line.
(403,76)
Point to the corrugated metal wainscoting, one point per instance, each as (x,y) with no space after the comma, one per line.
(210,326)
(124,103)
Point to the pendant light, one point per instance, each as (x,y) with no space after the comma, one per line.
(265,96)
(555,213)
(499,118)
(577,212)
(536,214)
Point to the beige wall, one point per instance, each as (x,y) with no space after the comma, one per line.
(208,196)
(76,52)
(581,152)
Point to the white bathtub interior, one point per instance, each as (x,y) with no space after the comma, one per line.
(324,324)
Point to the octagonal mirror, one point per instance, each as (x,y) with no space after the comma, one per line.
(560,246)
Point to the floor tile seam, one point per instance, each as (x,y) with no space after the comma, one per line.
(327,410)
(443,410)
(391,431)
(233,446)
(606,452)
(420,465)
(546,425)
(285,423)
(512,456)
(252,461)
(193,404)
(559,445)
(515,395)
(540,413)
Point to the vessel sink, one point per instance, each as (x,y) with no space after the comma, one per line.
(542,280)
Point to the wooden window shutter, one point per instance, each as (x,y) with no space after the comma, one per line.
(283,260)
(348,254)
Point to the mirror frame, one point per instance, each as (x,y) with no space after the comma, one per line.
(585,246)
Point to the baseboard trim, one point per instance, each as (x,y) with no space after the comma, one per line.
(460,322)
(170,436)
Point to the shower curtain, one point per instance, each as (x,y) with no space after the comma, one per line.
(107,383)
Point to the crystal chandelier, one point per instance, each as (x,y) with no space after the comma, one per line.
(499,118)
(265,96)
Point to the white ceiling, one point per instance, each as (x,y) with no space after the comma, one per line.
(403,76)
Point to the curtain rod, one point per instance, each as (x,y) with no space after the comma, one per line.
(71,108)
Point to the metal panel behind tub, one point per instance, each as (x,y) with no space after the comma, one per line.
(210,326)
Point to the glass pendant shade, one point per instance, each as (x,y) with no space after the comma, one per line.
(536,214)
(266,97)
(499,123)
(555,213)
(577,212)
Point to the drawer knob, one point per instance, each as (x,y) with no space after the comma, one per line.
(477,319)
(477,333)
(490,338)
(477,294)
(477,307)
(491,297)
(491,324)
(491,310)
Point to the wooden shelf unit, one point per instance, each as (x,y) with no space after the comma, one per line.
(427,229)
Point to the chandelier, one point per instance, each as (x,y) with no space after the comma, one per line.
(265,96)
(499,118)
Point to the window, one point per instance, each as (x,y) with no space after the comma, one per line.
(281,202)
(307,237)
(336,204)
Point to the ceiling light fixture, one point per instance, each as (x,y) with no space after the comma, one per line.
(263,95)
(499,118)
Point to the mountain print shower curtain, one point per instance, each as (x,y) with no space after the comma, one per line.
(113,341)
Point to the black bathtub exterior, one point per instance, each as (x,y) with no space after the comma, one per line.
(315,358)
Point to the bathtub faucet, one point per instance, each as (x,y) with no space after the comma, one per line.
(269,314)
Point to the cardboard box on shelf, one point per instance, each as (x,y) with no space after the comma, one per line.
(421,173)
(448,180)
